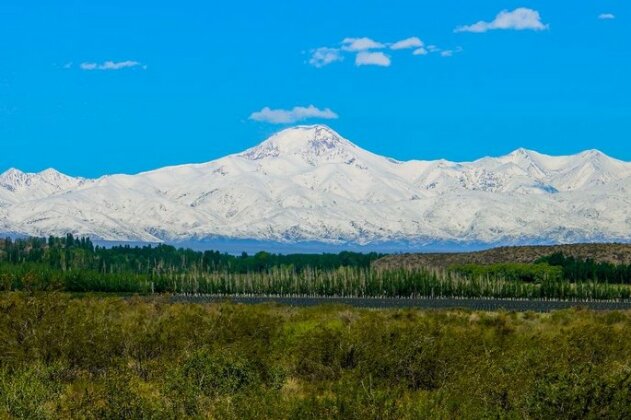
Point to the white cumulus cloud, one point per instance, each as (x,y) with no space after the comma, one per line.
(412,42)
(290,116)
(606,16)
(369,52)
(365,58)
(324,56)
(420,51)
(519,19)
(110,65)
(361,44)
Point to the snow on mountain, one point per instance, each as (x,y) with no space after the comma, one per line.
(16,186)
(307,183)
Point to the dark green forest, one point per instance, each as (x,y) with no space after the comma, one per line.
(76,265)
(575,269)
(70,253)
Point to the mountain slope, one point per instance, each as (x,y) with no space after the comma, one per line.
(602,253)
(309,184)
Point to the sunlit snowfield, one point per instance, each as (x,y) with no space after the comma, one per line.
(310,185)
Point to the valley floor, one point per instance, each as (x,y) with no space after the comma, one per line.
(84,356)
(489,304)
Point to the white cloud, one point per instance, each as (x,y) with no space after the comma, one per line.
(519,19)
(110,65)
(372,59)
(324,56)
(89,66)
(420,51)
(367,54)
(606,16)
(289,116)
(412,42)
(361,44)
(446,53)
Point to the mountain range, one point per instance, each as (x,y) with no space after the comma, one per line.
(309,184)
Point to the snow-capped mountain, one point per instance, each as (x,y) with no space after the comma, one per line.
(309,184)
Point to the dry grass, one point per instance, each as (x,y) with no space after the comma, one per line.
(612,253)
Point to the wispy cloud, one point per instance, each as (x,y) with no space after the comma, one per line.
(412,42)
(368,52)
(110,65)
(606,16)
(324,56)
(365,58)
(519,19)
(361,44)
(450,53)
(290,116)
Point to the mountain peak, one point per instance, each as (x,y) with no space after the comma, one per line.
(46,181)
(13,178)
(50,171)
(535,164)
(11,172)
(315,128)
(593,154)
(309,183)
(521,153)
(308,141)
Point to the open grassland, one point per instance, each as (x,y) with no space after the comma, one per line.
(106,357)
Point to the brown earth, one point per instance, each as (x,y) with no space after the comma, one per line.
(612,253)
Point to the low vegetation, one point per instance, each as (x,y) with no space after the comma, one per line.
(612,253)
(109,357)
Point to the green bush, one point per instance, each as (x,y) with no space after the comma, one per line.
(101,357)
(531,273)
(222,373)
(28,392)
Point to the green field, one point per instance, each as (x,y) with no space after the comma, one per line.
(106,357)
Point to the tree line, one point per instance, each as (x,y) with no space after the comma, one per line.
(284,281)
(71,253)
(76,265)
(578,269)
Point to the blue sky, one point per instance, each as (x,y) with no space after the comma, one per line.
(95,87)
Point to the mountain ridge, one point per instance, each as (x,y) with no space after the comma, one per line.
(308,183)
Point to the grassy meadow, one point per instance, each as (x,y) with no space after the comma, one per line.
(68,356)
